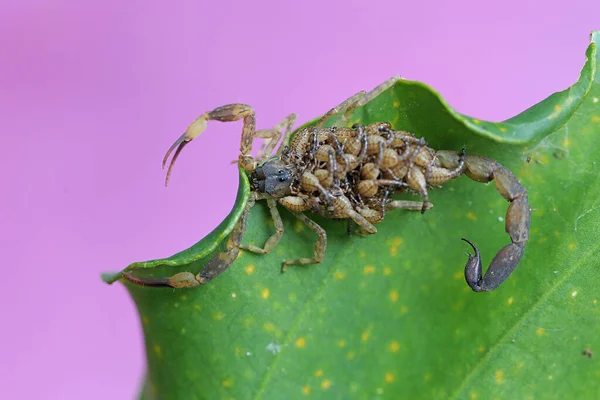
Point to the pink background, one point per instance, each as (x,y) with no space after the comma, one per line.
(93,93)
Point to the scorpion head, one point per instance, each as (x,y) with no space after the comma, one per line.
(273,177)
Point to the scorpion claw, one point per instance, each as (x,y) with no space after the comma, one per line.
(503,264)
(192,132)
(180,143)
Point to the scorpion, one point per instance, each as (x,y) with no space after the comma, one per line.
(349,173)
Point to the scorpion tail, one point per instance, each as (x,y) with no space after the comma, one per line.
(483,169)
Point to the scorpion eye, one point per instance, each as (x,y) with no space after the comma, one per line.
(280,171)
(282,179)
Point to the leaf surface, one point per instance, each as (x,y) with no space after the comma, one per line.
(389,315)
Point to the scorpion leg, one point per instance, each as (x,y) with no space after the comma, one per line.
(375,216)
(358,100)
(339,150)
(320,245)
(228,113)
(408,205)
(343,209)
(416,180)
(288,131)
(273,240)
(346,106)
(274,135)
(483,169)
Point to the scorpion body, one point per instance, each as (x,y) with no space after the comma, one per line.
(350,173)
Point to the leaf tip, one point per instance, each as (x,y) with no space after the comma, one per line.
(110,277)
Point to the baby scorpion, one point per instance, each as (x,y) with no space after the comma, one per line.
(349,173)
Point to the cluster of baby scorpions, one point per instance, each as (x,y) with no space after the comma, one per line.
(349,173)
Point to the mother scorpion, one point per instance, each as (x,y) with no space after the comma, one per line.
(349,173)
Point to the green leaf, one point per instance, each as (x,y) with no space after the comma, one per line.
(389,315)
(194,258)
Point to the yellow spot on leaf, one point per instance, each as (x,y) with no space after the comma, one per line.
(265,293)
(394,244)
(471,216)
(341,343)
(566,143)
(539,331)
(387,271)
(499,376)
(292,297)
(319,373)
(427,377)
(557,233)
(510,300)
(481,349)
(520,365)
(389,377)
(269,327)
(306,390)
(458,275)
(298,226)
(572,246)
(300,342)
(197,307)
(394,346)
(184,297)
(227,383)
(397,241)
(474,395)
(556,112)
(339,275)
(249,269)
(502,129)
(365,335)
(396,104)
(403,309)
(326,384)
(157,350)
(369,269)
(363,254)
(476,121)
(145,320)
(350,356)
(595,118)
(218,316)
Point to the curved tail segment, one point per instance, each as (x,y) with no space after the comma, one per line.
(483,169)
